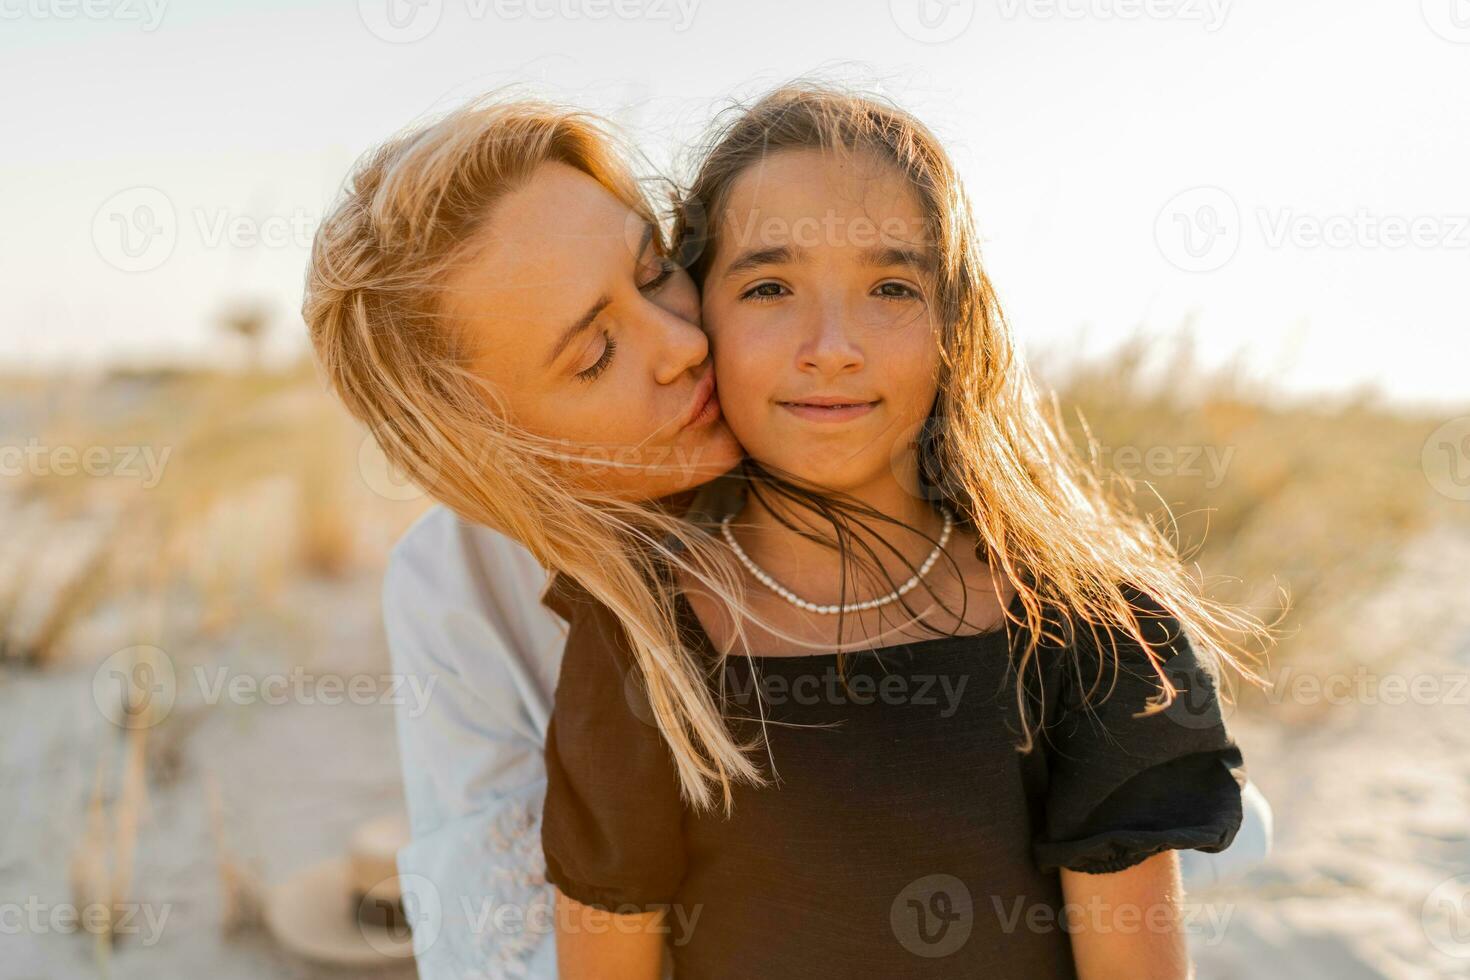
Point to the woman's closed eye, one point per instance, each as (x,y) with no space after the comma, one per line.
(664,269)
(610,347)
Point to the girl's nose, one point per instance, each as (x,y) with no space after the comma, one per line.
(830,350)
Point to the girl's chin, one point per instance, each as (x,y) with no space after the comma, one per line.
(831,479)
(714,452)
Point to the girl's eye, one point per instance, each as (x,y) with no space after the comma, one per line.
(896,290)
(591,373)
(665,270)
(764,291)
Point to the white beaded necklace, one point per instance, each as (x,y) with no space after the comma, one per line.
(764,577)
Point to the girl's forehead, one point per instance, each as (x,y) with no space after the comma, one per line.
(815,199)
(784,221)
(836,177)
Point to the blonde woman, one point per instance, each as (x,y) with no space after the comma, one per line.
(961,692)
(492,297)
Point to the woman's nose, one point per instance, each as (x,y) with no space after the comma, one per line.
(679,346)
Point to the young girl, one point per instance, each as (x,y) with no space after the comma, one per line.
(959,704)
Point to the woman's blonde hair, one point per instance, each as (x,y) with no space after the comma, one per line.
(373,308)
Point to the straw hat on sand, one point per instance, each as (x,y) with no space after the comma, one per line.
(347,910)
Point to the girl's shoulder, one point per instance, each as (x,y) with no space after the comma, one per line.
(1138,751)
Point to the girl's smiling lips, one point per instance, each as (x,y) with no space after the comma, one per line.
(828,408)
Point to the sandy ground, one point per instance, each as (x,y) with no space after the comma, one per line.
(1370,876)
(294,779)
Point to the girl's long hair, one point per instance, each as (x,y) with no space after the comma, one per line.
(992,449)
(374,310)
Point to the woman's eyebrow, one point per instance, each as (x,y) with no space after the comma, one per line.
(572,332)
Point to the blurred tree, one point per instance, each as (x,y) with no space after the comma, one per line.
(249,320)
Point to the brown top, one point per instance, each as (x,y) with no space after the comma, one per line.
(905,836)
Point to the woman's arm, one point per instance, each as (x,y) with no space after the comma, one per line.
(1128,925)
(465,628)
(592,944)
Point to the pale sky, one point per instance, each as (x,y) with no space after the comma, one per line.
(1294,174)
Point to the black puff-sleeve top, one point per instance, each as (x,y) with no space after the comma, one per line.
(905,835)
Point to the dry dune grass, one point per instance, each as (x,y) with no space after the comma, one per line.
(255,481)
(1316,498)
(263,484)
(255,485)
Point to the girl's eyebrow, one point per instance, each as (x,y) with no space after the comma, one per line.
(881,256)
(755,258)
(892,255)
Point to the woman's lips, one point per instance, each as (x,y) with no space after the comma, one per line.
(706,407)
(828,411)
